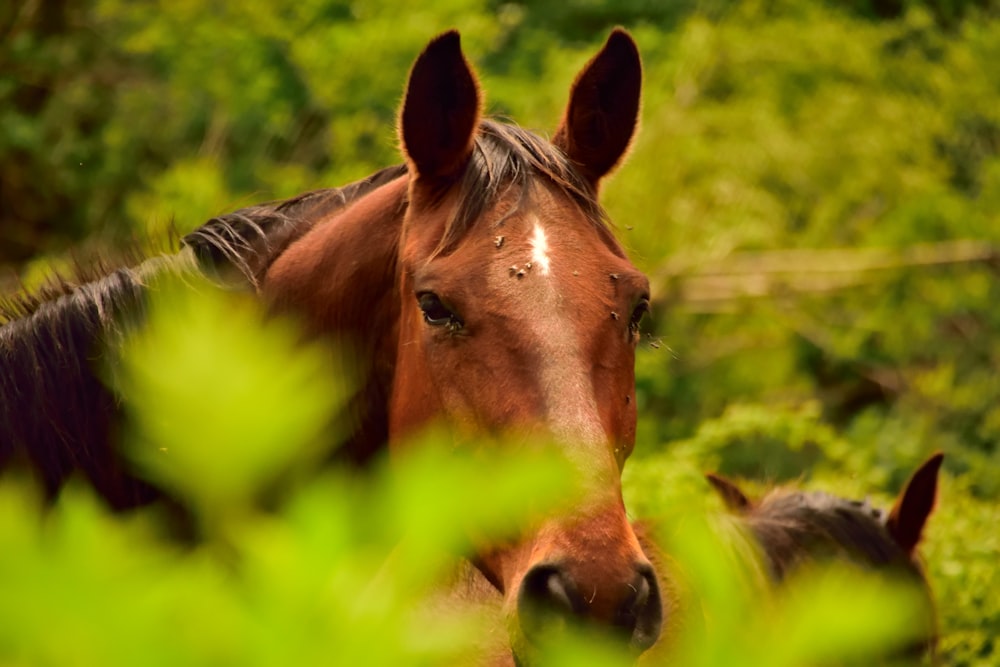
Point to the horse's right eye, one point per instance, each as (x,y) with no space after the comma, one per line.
(638,313)
(436,313)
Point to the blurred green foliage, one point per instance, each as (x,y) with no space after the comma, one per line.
(217,468)
(347,568)
(869,125)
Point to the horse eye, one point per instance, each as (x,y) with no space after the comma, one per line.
(435,312)
(637,314)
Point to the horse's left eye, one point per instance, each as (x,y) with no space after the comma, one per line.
(638,312)
(435,312)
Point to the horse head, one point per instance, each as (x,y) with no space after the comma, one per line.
(492,296)
(520,310)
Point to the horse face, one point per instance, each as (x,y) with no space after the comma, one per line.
(523,318)
(530,323)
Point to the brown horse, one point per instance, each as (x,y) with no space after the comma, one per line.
(484,289)
(795,528)
(479,285)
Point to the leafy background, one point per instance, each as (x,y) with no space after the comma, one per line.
(814,192)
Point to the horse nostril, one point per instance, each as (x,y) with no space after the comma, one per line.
(547,600)
(641,614)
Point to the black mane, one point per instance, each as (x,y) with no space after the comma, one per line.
(56,415)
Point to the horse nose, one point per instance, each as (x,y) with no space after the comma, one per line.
(641,614)
(549,599)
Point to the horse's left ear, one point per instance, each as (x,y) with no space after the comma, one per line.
(441,109)
(909,514)
(731,495)
(603,108)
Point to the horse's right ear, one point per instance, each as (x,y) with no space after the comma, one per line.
(731,494)
(441,109)
(915,502)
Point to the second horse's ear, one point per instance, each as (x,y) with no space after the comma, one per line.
(603,108)
(731,494)
(914,505)
(440,113)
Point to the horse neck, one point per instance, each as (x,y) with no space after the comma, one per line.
(339,280)
(238,248)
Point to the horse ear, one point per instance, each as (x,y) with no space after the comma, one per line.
(731,494)
(603,108)
(440,110)
(916,501)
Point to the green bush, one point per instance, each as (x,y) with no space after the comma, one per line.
(343,570)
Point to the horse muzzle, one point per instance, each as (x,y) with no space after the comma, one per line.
(550,598)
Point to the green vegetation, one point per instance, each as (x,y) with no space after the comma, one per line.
(348,569)
(815,193)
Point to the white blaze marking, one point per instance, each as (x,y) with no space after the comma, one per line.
(571,406)
(540,250)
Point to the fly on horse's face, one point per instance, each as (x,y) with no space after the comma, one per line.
(504,305)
